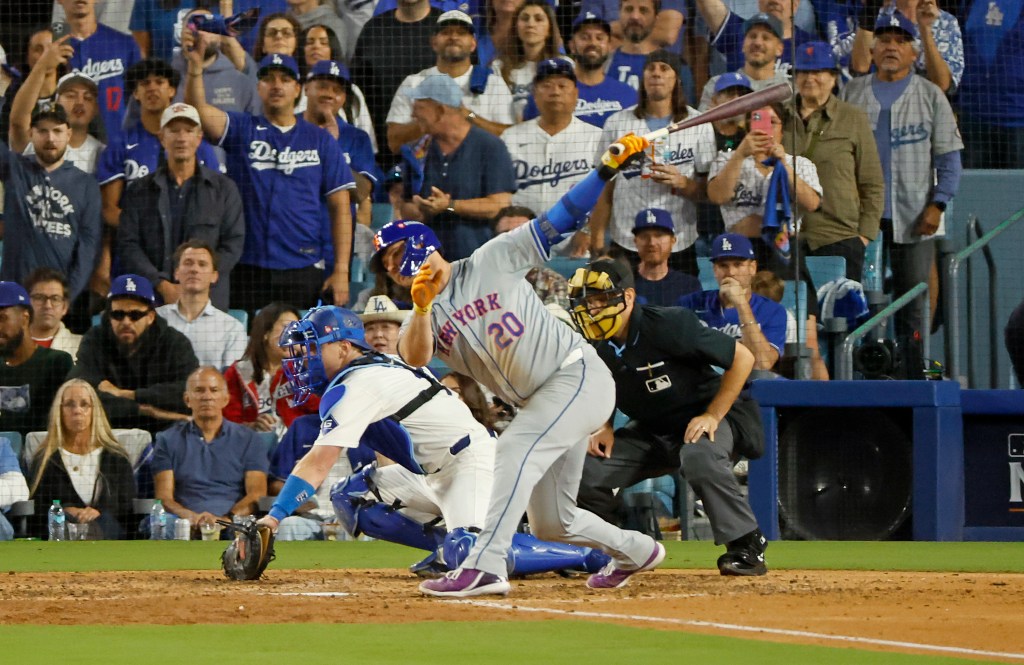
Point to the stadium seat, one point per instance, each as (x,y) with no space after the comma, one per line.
(707,274)
(242,316)
(134,441)
(14,438)
(824,269)
(381,215)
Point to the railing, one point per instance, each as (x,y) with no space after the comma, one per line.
(953,265)
(920,290)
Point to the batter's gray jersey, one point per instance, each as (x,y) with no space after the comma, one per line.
(489,324)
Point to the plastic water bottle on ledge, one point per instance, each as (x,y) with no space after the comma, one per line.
(157,520)
(55,520)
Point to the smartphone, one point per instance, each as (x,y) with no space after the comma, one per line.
(59,29)
(761,119)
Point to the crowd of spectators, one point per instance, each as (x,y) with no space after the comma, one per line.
(158,176)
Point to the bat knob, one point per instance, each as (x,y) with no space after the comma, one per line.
(616,149)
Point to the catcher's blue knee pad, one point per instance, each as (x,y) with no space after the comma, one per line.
(359,511)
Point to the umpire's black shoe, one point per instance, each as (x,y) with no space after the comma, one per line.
(745,556)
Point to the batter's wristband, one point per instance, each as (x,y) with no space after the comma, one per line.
(295,492)
(421,310)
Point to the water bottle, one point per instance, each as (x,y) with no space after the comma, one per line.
(157,520)
(55,520)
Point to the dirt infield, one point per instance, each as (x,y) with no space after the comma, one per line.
(966,611)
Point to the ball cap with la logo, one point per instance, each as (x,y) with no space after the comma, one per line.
(132,286)
(284,63)
(653,218)
(330,70)
(731,246)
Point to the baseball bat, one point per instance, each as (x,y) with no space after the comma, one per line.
(738,106)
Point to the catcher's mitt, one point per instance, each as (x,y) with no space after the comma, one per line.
(249,553)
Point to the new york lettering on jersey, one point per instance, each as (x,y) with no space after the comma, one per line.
(504,329)
(105,56)
(47,208)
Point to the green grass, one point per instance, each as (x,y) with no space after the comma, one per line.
(492,643)
(36,556)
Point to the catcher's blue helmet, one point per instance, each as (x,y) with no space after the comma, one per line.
(420,239)
(302,340)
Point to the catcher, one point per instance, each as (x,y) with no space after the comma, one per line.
(444,458)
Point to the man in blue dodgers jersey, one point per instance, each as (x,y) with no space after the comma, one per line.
(734,309)
(555,151)
(327,85)
(444,457)
(600,95)
(288,171)
(483,319)
(677,174)
(103,54)
(51,208)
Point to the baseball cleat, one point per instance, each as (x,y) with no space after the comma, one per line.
(612,577)
(745,556)
(465,582)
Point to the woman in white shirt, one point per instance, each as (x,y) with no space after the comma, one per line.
(81,463)
(535,38)
(739,183)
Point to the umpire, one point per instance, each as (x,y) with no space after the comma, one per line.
(683,414)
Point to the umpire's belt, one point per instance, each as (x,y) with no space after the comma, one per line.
(574,356)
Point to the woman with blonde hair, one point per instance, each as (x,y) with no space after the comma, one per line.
(81,463)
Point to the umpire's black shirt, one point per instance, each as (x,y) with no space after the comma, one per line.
(663,373)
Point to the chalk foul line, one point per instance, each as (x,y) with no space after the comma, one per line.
(744,629)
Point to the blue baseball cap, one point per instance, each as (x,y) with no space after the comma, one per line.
(590,18)
(132,286)
(13,294)
(732,80)
(765,19)
(331,70)
(653,218)
(895,22)
(814,57)
(440,88)
(731,246)
(555,67)
(284,63)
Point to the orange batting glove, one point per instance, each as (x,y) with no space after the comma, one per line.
(424,289)
(624,150)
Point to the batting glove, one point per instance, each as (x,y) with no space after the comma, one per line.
(624,150)
(424,289)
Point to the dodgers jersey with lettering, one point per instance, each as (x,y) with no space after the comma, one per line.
(105,56)
(489,324)
(691,150)
(376,392)
(595,103)
(770,316)
(285,178)
(136,153)
(547,166)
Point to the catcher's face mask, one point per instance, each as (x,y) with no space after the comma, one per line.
(303,343)
(597,306)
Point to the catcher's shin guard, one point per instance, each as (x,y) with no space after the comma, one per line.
(360,510)
(528,555)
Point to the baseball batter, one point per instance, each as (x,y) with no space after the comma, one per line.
(483,319)
(444,457)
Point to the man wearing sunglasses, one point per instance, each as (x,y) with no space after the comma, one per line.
(136,362)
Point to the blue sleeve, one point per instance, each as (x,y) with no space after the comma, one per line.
(729,42)
(208,157)
(336,173)
(530,112)
(948,170)
(139,21)
(361,155)
(239,127)
(90,240)
(570,212)
(255,452)
(111,164)
(162,459)
(500,175)
(772,318)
